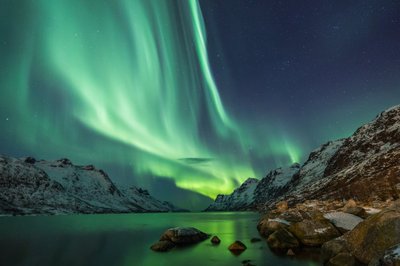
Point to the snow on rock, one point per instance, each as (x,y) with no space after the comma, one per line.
(274,184)
(343,220)
(30,186)
(241,198)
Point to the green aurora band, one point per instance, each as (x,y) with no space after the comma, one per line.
(128,82)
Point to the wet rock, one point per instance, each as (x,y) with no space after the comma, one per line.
(314,232)
(267,226)
(282,240)
(237,247)
(255,239)
(215,240)
(290,252)
(342,259)
(247,263)
(332,248)
(371,238)
(184,235)
(162,246)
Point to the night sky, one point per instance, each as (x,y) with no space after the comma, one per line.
(186,98)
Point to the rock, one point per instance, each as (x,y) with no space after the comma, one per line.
(290,252)
(358,211)
(267,226)
(314,232)
(162,246)
(237,247)
(30,160)
(255,239)
(184,235)
(350,204)
(391,257)
(332,248)
(342,259)
(282,206)
(215,240)
(282,240)
(294,215)
(343,221)
(247,263)
(371,238)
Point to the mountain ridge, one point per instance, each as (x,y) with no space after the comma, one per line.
(364,166)
(30,186)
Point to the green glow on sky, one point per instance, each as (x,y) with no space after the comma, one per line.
(136,74)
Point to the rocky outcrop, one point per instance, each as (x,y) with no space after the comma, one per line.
(371,238)
(178,236)
(30,186)
(346,239)
(241,199)
(373,241)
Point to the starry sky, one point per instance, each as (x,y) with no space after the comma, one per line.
(190,98)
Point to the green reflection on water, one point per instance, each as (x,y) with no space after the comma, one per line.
(124,239)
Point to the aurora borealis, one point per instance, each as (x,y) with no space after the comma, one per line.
(181,91)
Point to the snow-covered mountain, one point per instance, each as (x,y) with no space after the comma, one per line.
(274,184)
(28,186)
(240,199)
(365,166)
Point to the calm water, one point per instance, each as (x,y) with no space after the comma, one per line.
(124,239)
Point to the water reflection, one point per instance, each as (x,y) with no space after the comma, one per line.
(125,239)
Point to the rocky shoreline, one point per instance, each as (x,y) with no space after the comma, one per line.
(348,233)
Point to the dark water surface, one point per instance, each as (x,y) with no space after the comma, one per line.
(124,239)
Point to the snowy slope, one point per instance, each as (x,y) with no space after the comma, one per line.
(240,199)
(28,186)
(274,184)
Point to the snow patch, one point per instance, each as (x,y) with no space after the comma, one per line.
(343,220)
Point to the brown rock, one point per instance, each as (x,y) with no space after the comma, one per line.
(215,240)
(332,248)
(162,246)
(342,259)
(267,226)
(358,211)
(282,240)
(391,257)
(379,232)
(237,247)
(314,232)
(293,215)
(350,204)
(282,206)
(290,252)
(183,235)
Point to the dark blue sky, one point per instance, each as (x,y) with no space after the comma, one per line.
(318,69)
